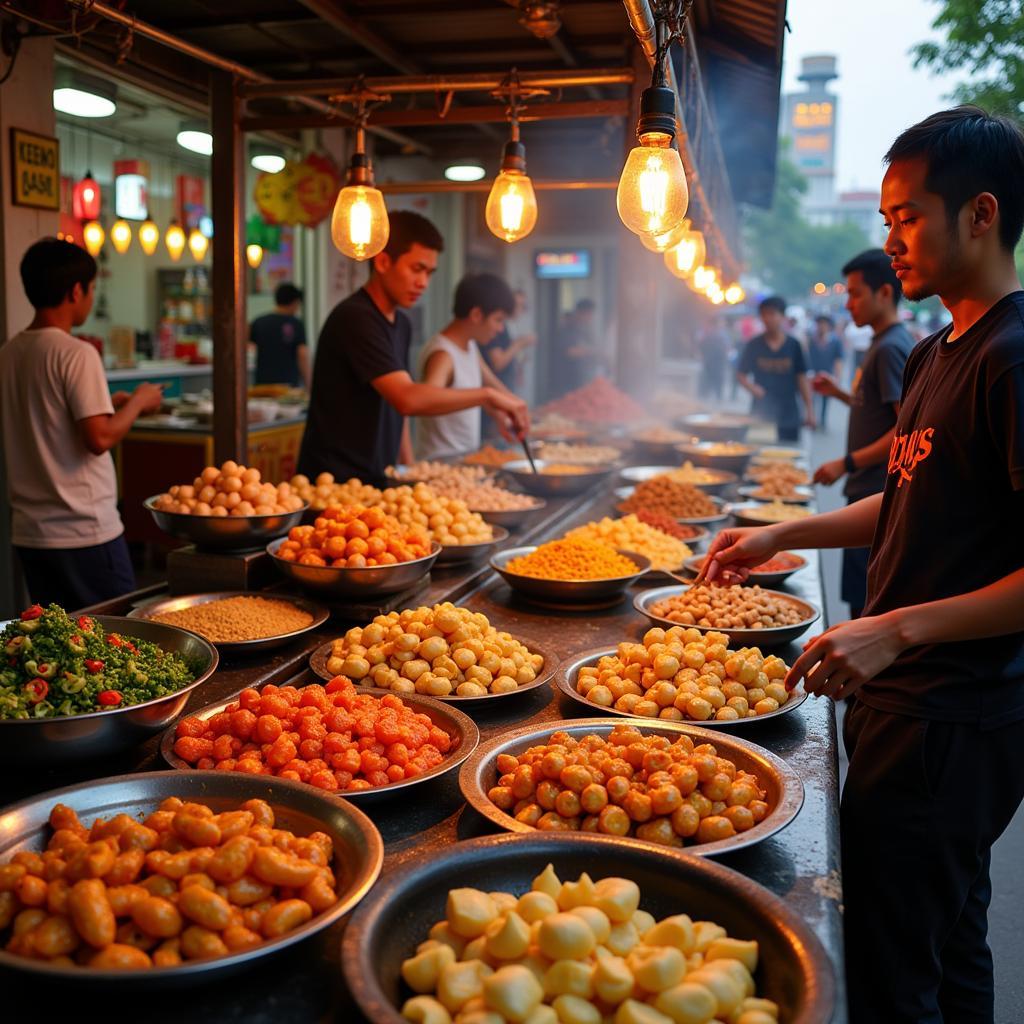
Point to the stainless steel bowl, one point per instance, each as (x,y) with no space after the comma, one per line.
(514,518)
(721,478)
(373,581)
(225,533)
(761,579)
(798,496)
(554,485)
(461,728)
(745,513)
(319,658)
(264,643)
(359,853)
(700,453)
(57,742)
(794,970)
(565,591)
(773,637)
(784,790)
(723,513)
(460,554)
(566,682)
(716,426)
(658,451)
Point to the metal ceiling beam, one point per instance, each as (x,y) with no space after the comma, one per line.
(334,14)
(483,81)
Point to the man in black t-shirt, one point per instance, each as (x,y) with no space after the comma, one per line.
(362,390)
(873,292)
(824,355)
(282,356)
(773,369)
(935,733)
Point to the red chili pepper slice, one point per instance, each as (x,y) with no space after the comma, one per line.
(84,622)
(115,640)
(94,664)
(33,612)
(37,689)
(109,698)
(130,646)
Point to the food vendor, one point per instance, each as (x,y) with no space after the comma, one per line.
(362,390)
(59,424)
(279,341)
(936,663)
(454,358)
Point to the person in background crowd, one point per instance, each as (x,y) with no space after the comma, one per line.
(279,340)
(936,663)
(714,343)
(454,358)
(362,390)
(505,355)
(575,352)
(825,355)
(773,369)
(873,293)
(59,423)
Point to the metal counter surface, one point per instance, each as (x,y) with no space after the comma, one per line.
(800,864)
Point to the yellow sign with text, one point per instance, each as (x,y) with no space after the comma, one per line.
(35,170)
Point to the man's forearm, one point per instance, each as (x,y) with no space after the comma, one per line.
(805,393)
(874,453)
(427,400)
(747,384)
(849,527)
(995,610)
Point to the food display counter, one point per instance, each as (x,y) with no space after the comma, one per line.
(305,983)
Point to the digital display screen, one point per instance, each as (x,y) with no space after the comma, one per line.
(554,263)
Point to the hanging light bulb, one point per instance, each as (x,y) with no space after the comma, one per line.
(121,235)
(667,239)
(86,198)
(684,258)
(93,235)
(254,254)
(149,236)
(702,276)
(359,224)
(174,239)
(511,210)
(715,293)
(198,243)
(734,293)
(653,196)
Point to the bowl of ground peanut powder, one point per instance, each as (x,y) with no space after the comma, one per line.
(238,622)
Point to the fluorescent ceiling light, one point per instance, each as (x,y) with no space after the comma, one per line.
(196,140)
(80,103)
(269,162)
(464,172)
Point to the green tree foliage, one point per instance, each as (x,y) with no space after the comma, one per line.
(985,37)
(787,252)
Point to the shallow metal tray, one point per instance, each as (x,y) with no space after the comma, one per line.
(368,582)
(784,790)
(264,643)
(741,513)
(761,579)
(459,726)
(60,741)
(794,969)
(359,854)
(513,518)
(225,533)
(554,485)
(319,658)
(566,682)
(800,495)
(461,554)
(622,493)
(712,426)
(773,637)
(566,591)
(700,453)
(723,478)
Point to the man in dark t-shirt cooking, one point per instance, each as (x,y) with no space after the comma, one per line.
(773,369)
(362,390)
(936,729)
(873,292)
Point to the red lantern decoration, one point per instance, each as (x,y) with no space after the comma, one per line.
(85,198)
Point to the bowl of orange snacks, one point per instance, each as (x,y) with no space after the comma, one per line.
(125,855)
(312,735)
(354,551)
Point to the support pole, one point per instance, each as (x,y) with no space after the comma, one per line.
(227,175)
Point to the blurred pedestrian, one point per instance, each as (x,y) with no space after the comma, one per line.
(825,355)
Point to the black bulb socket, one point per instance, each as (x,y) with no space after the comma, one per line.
(657,112)
(514,157)
(360,170)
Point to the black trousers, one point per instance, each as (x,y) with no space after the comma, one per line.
(77,577)
(854,580)
(924,802)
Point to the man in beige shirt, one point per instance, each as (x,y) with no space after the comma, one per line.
(59,423)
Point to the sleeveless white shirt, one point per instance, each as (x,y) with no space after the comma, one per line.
(456,432)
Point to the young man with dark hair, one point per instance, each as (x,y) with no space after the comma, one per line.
(279,339)
(773,369)
(362,390)
(59,423)
(504,355)
(453,359)
(575,355)
(873,292)
(937,661)
(824,355)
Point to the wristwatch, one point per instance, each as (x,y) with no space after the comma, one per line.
(848,464)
